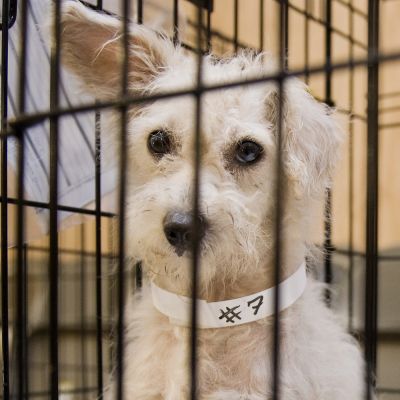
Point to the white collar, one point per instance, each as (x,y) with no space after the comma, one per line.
(221,314)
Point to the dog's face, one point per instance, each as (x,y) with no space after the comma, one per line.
(238,146)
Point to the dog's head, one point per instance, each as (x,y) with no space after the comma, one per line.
(238,147)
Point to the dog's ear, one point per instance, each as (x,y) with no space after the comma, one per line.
(92,50)
(311,138)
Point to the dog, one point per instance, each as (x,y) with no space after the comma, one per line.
(239,129)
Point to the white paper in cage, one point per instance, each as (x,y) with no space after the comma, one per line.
(76,165)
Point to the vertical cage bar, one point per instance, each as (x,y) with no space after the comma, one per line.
(328,244)
(306,41)
(139,275)
(21,384)
(25,318)
(236,25)
(140,11)
(99,305)
(176,21)
(20,283)
(328,52)
(83,277)
(277,247)
(371,284)
(53,232)
(284,34)
(24,299)
(195,211)
(351,173)
(261,26)
(4,205)
(328,194)
(279,194)
(121,200)
(98,239)
(112,297)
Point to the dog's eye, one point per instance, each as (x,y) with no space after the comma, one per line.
(248,152)
(159,142)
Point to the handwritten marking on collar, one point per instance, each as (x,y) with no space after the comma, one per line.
(221,314)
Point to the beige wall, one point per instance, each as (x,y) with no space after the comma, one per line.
(389,185)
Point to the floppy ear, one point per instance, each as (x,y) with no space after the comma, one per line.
(92,50)
(311,138)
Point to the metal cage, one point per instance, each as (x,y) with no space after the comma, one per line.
(24,367)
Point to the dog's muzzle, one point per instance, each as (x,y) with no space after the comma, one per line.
(178,229)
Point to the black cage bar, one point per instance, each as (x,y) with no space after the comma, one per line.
(19,277)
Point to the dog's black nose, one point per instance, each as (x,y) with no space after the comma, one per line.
(178,229)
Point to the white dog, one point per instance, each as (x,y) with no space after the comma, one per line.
(319,360)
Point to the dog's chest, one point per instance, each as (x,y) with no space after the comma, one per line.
(228,358)
(239,354)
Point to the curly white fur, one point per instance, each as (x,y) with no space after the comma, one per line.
(319,360)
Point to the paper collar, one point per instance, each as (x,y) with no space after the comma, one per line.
(221,314)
